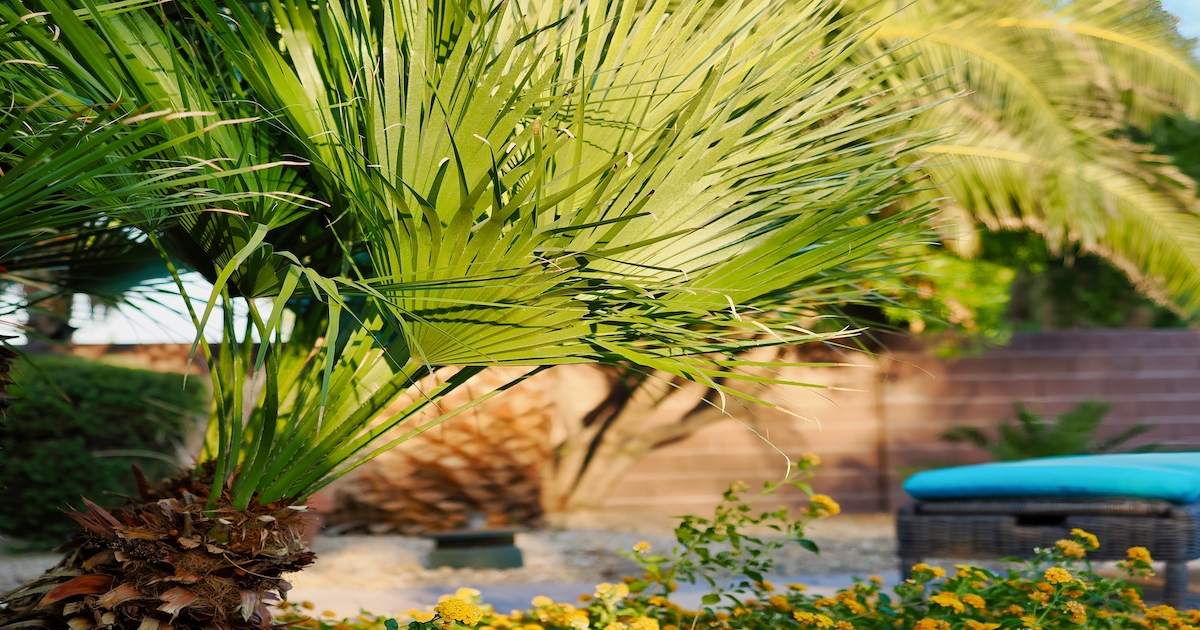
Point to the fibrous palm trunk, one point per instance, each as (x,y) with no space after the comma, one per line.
(164,561)
(486,464)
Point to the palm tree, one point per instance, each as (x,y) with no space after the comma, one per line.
(468,185)
(1045,139)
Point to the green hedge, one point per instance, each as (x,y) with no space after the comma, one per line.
(69,433)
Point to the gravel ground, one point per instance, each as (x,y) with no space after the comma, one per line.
(585,552)
(388,574)
(16,569)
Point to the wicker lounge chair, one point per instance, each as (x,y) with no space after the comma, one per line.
(1006,517)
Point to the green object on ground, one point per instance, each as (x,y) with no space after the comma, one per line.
(476,550)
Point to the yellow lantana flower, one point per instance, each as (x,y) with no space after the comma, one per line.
(467,594)
(780,602)
(643,623)
(1077,611)
(921,567)
(979,625)
(642,547)
(824,504)
(948,600)
(1088,539)
(1162,612)
(974,601)
(815,620)
(1071,549)
(460,611)
(578,620)
(1139,554)
(1058,575)
(612,592)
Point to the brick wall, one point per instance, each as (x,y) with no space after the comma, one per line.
(885,421)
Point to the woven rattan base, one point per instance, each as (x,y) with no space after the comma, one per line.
(1007,528)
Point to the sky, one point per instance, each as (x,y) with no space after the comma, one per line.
(166,322)
(1188,12)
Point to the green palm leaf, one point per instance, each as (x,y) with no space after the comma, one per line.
(530,184)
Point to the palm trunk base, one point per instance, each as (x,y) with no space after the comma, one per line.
(164,562)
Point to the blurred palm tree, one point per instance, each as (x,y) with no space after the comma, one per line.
(1046,137)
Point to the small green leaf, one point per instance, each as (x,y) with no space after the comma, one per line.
(710,599)
(809,545)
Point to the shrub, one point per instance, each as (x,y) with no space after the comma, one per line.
(74,429)
(1055,590)
(1031,436)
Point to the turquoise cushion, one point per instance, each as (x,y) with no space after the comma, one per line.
(1171,477)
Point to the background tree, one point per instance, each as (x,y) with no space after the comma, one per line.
(1048,137)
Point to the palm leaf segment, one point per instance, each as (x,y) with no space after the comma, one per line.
(1041,141)
(95,153)
(525,184)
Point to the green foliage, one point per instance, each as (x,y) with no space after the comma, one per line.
(1042,138)
(950,294)
(1178,137)
(1030,436)
(720,551)
(74,429)
(1067,289)
(1017,283)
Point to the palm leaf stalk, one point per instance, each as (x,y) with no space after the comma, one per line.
(662,186)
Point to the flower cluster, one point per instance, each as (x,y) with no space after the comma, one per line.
(1055,590)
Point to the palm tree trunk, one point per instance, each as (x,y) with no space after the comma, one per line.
(164,562)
